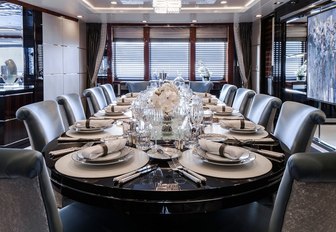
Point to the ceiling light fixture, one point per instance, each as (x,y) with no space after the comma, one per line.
(114,3)
(79,16)
(223,2)
(258,16)
(278,3)
(167,6)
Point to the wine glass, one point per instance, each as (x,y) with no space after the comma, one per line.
(196,118)
(156,118)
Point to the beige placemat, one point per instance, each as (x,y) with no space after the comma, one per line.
(67,166)
(215,128)
(258,167)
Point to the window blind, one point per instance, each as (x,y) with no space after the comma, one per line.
(295,54)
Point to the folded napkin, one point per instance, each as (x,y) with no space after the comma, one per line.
(221,108)
(203,94)
(116,108)
(231,152)
(209,100)
(125,100)
(238,124)
(91,123)
(132,95)
(103,149)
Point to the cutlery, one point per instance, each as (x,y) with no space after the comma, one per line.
(179,166)
(61,152)
(118,178)
(272,155)
(135,175)
(184,173)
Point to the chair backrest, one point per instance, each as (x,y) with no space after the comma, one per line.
(242,100)
(201,86)
(95,98)
(72,106)
(306,197)
(43,122)
(296,126)
(263,109)
(227,94)
(109,93)
(27,199)
(136,86)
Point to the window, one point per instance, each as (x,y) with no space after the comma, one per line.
(128,60)
(295,56)
(170,57)
(213,55)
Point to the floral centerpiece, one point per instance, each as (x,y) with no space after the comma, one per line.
(203,71)
(166,97)
(301,73)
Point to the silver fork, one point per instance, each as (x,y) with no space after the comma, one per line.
(179,166)
(184,173)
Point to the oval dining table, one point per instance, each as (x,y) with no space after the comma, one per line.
(163,191)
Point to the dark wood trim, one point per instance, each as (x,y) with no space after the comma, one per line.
(32,7)
(109,53)
(230,54)
(192,42)
(146,38)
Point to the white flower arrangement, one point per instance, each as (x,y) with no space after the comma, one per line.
(203,70)
(166,97)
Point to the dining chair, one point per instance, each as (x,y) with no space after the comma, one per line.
(242,100)
(296,126)
(43,122)
(227,94)
(201,86)
(28,202)
(305,199)
(71,106)
(109,93)
(136,86)
(263,109)
(95,99)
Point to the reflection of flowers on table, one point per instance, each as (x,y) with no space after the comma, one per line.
(166,97)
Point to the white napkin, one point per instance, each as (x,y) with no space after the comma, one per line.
(209,100)
(231,152)
(203,94)
(116,108)
(125,100)
(93,123)
(134,95)
(238,124)
(96,151)
(220,108)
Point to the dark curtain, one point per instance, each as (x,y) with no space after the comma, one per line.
(92,41)
(245,32)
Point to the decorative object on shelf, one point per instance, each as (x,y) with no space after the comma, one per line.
(203,71)
(167,6)
(9,72)
(301,73)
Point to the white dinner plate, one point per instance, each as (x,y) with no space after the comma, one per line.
(169,153)
(111,158)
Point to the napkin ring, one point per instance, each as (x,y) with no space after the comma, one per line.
(105,149)
(221,150)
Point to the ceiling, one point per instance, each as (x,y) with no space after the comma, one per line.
(136,11)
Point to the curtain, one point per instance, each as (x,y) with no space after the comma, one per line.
(96,39)
(242,36)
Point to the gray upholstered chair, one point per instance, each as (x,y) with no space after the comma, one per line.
(136,86)
(71,106)
(43,122)
(306,197)
(201,86)
(242,100)
(296,126)
(109,93)
(227,94)
(28,203)
(263,109)
(95,98)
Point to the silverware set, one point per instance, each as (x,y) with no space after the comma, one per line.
(122,179)
(195,177)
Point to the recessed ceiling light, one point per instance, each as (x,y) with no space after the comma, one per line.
(144,21)
(223,2)
(278,3)
(258,16)
(79,16)
(114,3)
(194,21)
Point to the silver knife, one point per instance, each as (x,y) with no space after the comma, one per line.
(118,178)
(131,177)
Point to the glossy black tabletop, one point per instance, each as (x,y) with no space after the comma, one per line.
(163,191)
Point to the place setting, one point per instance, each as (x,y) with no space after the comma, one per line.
(110,158)
(224,161)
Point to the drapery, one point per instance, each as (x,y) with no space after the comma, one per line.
(243,42)
(96,39)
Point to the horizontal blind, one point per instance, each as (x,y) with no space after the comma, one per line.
(170,57)
(214,57)
(294,57)
(128,60)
